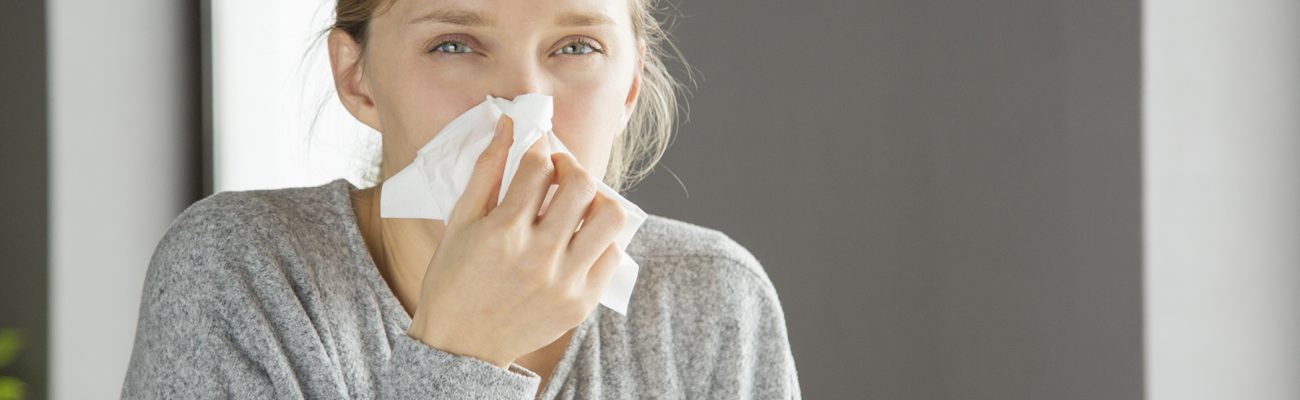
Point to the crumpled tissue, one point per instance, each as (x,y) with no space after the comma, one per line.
(429,187)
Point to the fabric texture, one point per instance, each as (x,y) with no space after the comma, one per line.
(273,294)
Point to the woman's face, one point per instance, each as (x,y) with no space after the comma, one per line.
(428,61)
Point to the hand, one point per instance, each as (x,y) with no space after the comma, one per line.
(505,281)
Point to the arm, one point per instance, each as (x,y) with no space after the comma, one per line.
(757,359)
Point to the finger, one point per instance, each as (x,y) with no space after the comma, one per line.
(571,201)
(485,181)
(603,269)
(530,184)
(598,229)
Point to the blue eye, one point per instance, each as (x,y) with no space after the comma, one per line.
(453,47)
(580,46)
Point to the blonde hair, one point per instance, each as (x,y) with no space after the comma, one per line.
(645,139)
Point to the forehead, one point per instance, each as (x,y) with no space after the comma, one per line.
(504,13)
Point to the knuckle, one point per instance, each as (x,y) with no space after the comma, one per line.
(534,155)
(568,160)
(506,228)
(538,162)
(612,210)
(582,182)
(620,216)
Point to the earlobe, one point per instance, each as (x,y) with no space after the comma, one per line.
(346,65)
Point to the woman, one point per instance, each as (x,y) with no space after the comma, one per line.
(306,292)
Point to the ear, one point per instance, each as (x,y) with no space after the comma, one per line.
(346,64)
(633,92)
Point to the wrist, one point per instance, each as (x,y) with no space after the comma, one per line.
(437,339)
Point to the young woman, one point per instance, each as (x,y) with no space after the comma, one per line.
(306,292)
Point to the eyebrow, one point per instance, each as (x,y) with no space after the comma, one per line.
(454,17)
(583,19)
(470,18)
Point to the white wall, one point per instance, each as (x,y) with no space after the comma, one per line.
(1222,199)
(266,89)
(119,97)
(117,142)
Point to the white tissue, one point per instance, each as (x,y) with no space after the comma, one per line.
(429,187)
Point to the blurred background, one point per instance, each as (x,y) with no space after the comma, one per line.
(993,199)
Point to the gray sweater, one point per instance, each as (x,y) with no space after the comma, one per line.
(273,294)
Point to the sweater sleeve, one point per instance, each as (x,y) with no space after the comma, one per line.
(417,370)
(183,347)
(757,361)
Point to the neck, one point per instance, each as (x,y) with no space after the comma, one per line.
(401,248)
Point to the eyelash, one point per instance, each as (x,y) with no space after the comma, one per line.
(595,48)
(586,42)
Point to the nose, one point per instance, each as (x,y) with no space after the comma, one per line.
(520,76)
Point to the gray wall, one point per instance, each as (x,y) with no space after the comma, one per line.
(946,194)
(24,200)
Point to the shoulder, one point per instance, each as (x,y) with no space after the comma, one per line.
(714,299)
(246,208)
(231,219)
(242,228)
(698,267)
(663,238)
(222,291)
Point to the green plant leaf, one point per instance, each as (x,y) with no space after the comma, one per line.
(11,340)
(11,388)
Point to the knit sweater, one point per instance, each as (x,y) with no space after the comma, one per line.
(274,294)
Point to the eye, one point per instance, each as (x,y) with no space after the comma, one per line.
(452,47)
(581,46)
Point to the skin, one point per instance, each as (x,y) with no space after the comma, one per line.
(498,282)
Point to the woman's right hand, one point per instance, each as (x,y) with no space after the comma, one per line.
(504,282)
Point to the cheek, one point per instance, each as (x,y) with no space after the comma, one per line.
(588,116)
(427,102)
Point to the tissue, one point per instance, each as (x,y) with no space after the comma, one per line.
(429,187)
